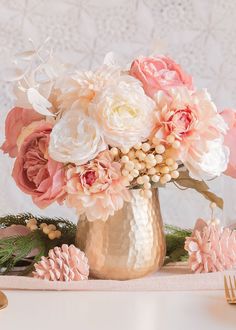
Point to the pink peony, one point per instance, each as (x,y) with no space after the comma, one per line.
(35,173)
(159,73)
(229,116)
(17,119)
(192,118)
(97,188)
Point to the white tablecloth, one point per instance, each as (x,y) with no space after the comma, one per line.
(172,299)
(185,310)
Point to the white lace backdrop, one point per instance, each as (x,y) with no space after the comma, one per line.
(199,34)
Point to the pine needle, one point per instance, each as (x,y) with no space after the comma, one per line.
(17,248)
(175,239)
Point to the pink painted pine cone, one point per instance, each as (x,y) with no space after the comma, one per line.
(66,263)
(211,248)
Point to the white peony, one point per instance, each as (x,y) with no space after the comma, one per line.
(124,113)
(212,163)
(76,138)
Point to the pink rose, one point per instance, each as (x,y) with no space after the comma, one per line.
(97,188)
(229,116)
(159,73)
(16,120)
(35,173)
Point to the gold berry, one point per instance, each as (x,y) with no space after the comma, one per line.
(33,227)
(58,233)
(52,227)
(52,235)
(31,222)
(46,230)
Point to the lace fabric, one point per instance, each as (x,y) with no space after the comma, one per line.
(198,34)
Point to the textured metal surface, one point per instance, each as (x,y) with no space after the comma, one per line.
(128,245)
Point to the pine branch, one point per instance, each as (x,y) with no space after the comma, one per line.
(15,249)
(175,239)
(67,228)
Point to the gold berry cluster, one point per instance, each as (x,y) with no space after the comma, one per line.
(149,163)
(50,230)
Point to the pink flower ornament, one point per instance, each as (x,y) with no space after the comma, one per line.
(66,263)
(211,248)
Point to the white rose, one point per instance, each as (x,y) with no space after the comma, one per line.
(124,113)
(76,138)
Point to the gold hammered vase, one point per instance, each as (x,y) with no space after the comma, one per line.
(130,244)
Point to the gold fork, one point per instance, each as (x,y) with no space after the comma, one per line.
(3,300)
(230,289)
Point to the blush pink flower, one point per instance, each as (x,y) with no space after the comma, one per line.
(159,73)
(35,173)
(17,119)
(192,118)
(229,116)
(97,188)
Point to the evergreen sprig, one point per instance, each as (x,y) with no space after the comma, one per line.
(175,239)
(67,228)
(16,249)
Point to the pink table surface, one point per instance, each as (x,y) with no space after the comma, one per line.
(173,277)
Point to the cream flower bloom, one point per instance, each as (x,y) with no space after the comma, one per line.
(76,138)
(124,113)
(192,118)
(83,86)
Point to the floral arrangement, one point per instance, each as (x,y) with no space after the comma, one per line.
(87,137)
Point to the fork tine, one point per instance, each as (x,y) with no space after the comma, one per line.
(232,289)
(234,282)
(227,293)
